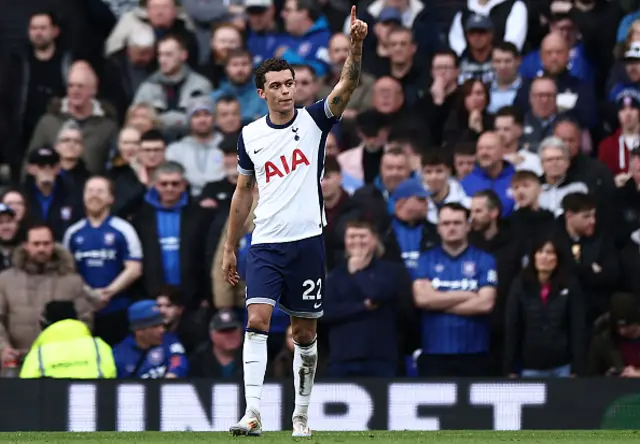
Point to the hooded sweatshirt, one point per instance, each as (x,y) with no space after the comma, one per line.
(456,194)
(168,225)
(202,162)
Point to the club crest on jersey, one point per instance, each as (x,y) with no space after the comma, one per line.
(109,238)
(285,166)
(469,269)
(65,213)
(156,356)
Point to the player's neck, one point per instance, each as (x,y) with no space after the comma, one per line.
(455,248)
(281,118)
(97,219)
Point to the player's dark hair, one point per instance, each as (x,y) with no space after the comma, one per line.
(450,53)
(455,206)
(53,17)
(302,66)
(271,65)
(110,184)
(435,158)
(511,111)
(176,38)
(523,175)
(493,201)
(153,135)
(172,293)
(578,202)
(238,53)
(507,47)
(331,165)
(465,148)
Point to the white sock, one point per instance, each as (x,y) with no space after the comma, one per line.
(254,358)
(305,361)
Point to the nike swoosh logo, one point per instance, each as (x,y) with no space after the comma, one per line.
(251,362)
(257,151)
(318,305)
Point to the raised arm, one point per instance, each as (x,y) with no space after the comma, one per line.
(339,97)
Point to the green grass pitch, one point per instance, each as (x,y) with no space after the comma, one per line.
(467,437)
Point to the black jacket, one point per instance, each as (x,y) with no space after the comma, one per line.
(598,249)
(528,225)
(65,210)
(346,210)
(628,200)
(129,192)
(78,175)
(542,336)
(203,364)
(373,206)
(192,232)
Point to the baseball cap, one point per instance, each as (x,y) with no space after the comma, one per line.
(633,53)
(45,156)
(143,314)
(224,320)
(258,3)
(625,309)
(390,15)
(6,209)
(479,22)
(410,188)
(202,103)
(628,97)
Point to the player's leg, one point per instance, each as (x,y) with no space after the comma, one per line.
(305,362)
(264,286)
(302,300)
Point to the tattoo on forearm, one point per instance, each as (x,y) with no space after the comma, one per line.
(250,182)
(336,100)
(352,67)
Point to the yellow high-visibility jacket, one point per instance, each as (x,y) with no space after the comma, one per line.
(67,349)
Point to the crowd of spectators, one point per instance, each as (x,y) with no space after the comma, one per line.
(482,189)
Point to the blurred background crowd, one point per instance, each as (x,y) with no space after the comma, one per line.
(118,128)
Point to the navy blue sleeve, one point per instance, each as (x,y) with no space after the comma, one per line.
(322,115)
(245,164)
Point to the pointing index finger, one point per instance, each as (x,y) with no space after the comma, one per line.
(353,14)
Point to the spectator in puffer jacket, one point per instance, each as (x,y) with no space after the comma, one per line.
(172,86)
(491,171)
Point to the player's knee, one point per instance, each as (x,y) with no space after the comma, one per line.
(303,334)
(259,317)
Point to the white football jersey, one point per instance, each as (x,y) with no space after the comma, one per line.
(288,164)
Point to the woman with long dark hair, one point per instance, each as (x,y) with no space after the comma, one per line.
(545,331)
(469,118)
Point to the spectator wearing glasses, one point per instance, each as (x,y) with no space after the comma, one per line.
(543,112)
(70,146)
(169,226)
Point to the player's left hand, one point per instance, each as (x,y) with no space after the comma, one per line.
(358,29)
(230,267)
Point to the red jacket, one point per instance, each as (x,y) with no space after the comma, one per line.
(614,153)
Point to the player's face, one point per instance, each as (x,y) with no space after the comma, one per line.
(452,225)
(526,192)
(97,196)
(279,91)
(435,176)
(546,259)
(8,227)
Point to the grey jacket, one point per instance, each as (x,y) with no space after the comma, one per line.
(203,163)
(152,92)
